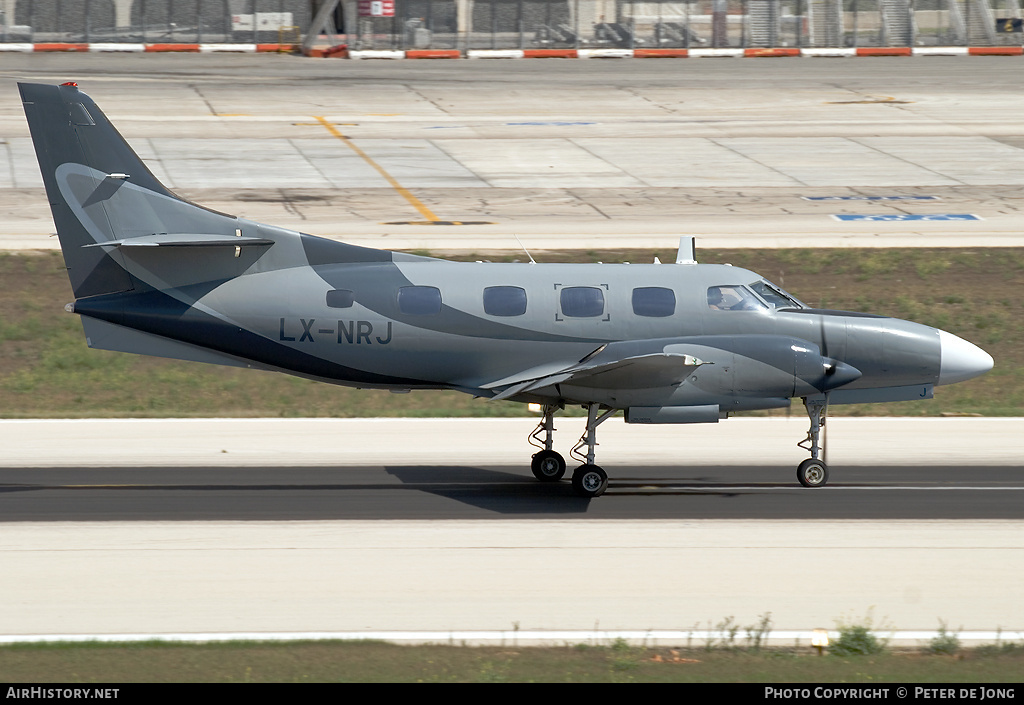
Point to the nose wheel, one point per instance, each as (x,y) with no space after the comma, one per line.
(812,473)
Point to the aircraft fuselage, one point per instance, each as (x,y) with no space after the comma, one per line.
(369,324)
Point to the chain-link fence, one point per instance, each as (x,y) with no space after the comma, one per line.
(626,24)
(526,24)
(153,21)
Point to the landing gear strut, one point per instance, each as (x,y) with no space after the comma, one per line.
(588,479)
(547,464)
(813,472)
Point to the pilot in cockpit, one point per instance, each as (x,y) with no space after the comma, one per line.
(733,298)
(716,300)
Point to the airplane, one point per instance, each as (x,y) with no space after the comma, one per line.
(679,343)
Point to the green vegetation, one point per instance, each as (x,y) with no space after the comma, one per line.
(46,370)
(945,642)
(857,640)
(369,661)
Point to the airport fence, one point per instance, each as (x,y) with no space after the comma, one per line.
(154,21)
(525,24)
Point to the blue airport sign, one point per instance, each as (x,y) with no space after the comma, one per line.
(903,217)
(871,198)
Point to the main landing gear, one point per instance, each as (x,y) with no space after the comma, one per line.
(588,480)
(547,465)
(813,472)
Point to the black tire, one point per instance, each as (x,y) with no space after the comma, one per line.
(812,473)
(548,466)
(589,481)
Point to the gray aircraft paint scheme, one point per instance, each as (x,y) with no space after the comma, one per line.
(667,343)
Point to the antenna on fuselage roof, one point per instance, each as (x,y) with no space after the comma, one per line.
(532,261)
(686,254)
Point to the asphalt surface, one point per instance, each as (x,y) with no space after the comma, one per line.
(495,492)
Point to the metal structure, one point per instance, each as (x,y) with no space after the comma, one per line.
(520,24)
(897,23)
(825,22)
(150,21)
(973,21)
(763,23)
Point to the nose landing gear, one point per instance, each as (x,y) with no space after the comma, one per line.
(813,472)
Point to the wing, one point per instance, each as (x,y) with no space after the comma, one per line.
(643,371)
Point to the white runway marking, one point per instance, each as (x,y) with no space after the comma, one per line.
(613,485)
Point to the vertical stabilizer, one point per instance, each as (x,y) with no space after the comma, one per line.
(99,190)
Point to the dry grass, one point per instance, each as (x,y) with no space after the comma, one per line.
(379,662)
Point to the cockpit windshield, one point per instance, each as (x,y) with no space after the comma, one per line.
(776,297)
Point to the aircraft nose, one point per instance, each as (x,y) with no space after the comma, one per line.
(960,360)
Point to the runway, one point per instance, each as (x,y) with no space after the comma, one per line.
(493,493)
(461,469)
(702,525)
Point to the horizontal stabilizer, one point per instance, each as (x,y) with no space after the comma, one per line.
(186,240)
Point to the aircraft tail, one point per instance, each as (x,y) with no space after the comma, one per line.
(103,196)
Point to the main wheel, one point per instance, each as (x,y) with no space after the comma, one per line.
(812,473)
(548,466)
(589,481)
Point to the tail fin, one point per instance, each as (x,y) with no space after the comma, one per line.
(100,192)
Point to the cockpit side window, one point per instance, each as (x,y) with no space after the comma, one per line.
(733,298)
(776,297)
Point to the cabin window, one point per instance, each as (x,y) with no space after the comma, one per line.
(504,301)
(419,300)
(340,298)
(734,298)
(582,301)
(654,302)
